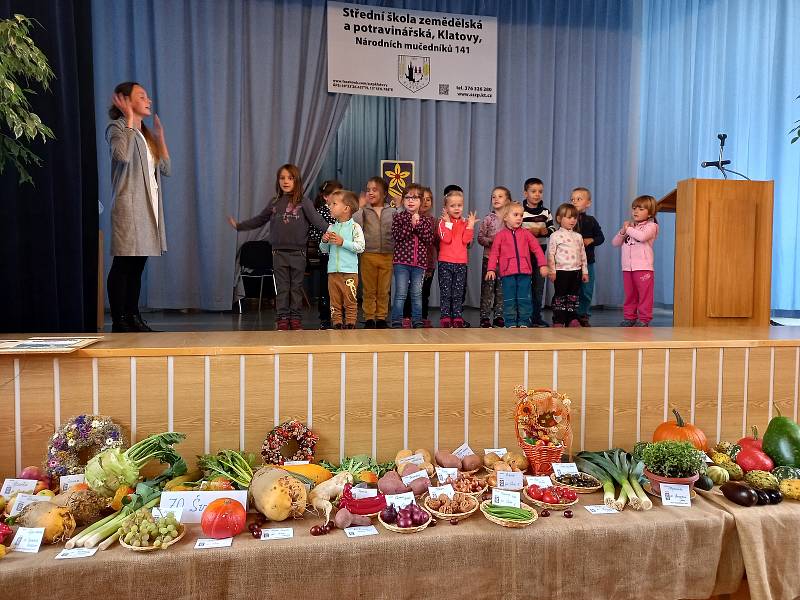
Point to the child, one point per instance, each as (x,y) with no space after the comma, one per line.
(413,235)
(636,238)
(454,234)
(425,209)
(511,251)
(345,241)
(539,221)
(375,218)
(589,228)
(566,259)
(314,237)
(491,288)
(289,215)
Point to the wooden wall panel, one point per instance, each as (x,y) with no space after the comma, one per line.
(706,392)
(451,400)
(76,386)
(540,369)
(597,399)
(626,363)
(733,368)
(151,402)
(293,400)
(390,405)
(570,379)
(481,400)
(8,444)
(358,404)
(653,402)
(511,375)
(680,383)
(224,371)
(259,399)
(785,380)
(37,418)
(420,400)
(758,389)
(326,398)
(189,404)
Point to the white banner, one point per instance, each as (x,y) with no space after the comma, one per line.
(377,51)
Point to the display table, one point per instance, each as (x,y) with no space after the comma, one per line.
(667,553)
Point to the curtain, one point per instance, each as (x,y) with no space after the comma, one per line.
(241,89)
(48,232)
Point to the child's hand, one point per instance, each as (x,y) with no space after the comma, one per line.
(490,275)
(335,238)
(585,278)
(551,275)
(233,222)
(414,219)
(473,216)
(588,241)
(445,216)
(544,271)
(362,199)
(326,237)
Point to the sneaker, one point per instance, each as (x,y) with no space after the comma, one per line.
(458,323)
(499,322)
(369,324)
(575,323)
(397,324)
(584,321)
(485,322)
(522,326)
(445,323)
(350,326)
(641,324)
(325,325)
(381,324)
(419,325)
(539,323)
(295,324)
(466,324)
(282,324)
(426,323)
(406,322)
(558,325)
(337,326)
(628,323)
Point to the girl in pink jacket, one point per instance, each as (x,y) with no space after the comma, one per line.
(636,238)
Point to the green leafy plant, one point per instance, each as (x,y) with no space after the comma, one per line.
(21,63)
(672,459)
(796,129)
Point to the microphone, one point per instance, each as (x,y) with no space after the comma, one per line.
(722,137)
(717,164)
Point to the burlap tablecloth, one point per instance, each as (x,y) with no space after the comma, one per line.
(768,541)
(667,553)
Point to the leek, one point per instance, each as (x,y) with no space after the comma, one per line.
(636,475)
(618,469)
(600,474)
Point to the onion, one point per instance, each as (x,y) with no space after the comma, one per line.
(404,522)
(389,514)
(33,473)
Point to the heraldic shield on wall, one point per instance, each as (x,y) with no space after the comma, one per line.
(414,72)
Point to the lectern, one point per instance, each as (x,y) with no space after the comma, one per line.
(723,251)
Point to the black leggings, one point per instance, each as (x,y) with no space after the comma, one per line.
(124,285)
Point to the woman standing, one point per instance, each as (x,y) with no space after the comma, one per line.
(139,157)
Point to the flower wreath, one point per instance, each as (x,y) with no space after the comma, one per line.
(277,440)
(95,432)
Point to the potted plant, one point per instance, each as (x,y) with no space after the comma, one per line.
(671,461)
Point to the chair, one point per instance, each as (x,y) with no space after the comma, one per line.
(255,261)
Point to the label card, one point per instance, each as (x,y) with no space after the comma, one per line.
(541,481)
(673,494)
(279,533)
(447,490)
(505,498)
(293,463)
(414,476)
(76,553)
(28,539)
(463,450)
(360,493)
(194,503)
(443,474)
(601,509)
(25,486)
(414,459)
(22,500)
(159,513)
(212,543)
(400,500)
(501,452)
(360,531)
(560,468)
(509,480)
(67,481)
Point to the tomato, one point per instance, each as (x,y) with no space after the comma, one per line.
(550,497)
(535,492)
(570,496)
(223,518)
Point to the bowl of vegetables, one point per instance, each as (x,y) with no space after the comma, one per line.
(554,497)
(141,532)
(508,516)
(409,519)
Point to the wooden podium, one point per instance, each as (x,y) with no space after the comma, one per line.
(723,251)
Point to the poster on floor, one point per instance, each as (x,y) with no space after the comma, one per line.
(380,51)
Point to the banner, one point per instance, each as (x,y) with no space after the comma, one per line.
(398,175)
(377,51)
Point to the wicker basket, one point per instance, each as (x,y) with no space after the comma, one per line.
(182,530)
(579,490)
(532,408)
(397,529)
(540,504)
(506,522)
(451,516)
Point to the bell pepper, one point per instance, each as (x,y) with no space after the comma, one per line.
(751,458)
(782,441)
(753,441)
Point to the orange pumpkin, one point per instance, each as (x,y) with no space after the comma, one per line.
(681,431)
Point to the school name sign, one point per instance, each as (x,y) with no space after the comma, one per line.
(378,51)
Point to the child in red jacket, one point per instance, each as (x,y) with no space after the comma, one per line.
(511,252)
(454,234)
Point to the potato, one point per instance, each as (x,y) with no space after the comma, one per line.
(429,468)
(420,486)
(425,454)
(447,460)
(471,462)
(408,469)
(405,453)
(516,460)
(392,484)
(490,459)
(501,465)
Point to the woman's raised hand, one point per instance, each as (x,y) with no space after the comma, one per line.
(123,103)
(158,129)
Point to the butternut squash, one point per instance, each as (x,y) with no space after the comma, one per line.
(315,473)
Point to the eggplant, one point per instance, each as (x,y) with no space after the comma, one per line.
(739,493)
(775,497)
(763,499)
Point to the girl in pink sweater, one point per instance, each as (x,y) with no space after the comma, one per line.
(454,233)
(636,238)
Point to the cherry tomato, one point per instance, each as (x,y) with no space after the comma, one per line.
(550,498)
(536,494)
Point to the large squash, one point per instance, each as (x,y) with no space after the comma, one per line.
(681,431)
(277,495)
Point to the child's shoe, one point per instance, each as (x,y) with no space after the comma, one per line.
(584,320)
(641,324)
(499,322)
(282,324)
(458,323)
(397,324)
(485,322)
(575,323)
(427,324)
(445,323)
(539,323)
(369,324)
(628,323)
(337,326)
(419,325)
(558,325)
(381,324)
(406,323)
(295,324)
(325,325)
(350,326)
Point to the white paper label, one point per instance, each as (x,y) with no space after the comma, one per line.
(279,533)
(560,469)
(463,450)
(414,459)
(76,553)
(707,458)
(194,503)
(22,500)
(414,476)
(400,500)
(443,474)
(67,481)
(28,539)
(360,531)
(601,509)
(505,498)
(24,486)
(294,463)
(160,513)
(447,490)
(673,494)
(501,452)
(509,480)
(212,543)
(542,482)
(360,493)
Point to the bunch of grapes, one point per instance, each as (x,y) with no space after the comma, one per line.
(142,530)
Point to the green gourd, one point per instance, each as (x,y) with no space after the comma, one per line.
(782,441)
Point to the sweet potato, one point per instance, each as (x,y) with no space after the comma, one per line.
(392,484)
(447,460)
(408,469)
(471,462)
(420,486)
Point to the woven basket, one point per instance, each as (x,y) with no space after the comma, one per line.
(451,516)
(540,504)
(506,522)
(533,407)
(397,529)
(151,548)
(579,490)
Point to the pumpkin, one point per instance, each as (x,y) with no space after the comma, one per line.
(223,518)
(681,431)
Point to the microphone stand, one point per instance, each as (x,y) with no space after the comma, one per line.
(720,164)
